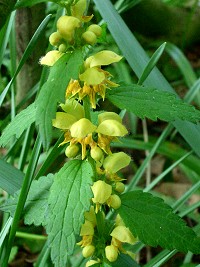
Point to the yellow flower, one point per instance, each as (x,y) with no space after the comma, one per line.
(95,80)
(50,58)
(123,234)
(115,162)
(87,232)
(79,8)
(102,191)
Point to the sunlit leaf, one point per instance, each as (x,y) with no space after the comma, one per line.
(69,198)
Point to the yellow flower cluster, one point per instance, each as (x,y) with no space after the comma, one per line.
(94,79)
(71,32)
(81,131)
(119,235)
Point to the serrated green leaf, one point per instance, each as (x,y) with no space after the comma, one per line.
(152,103)
(155,224)
(35,209)
(70,196)
(10,177)
(19,124)
(53,92)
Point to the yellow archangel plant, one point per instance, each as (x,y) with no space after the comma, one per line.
(86,138)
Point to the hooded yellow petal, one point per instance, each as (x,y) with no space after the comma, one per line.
(87,229)
(50,58)
(123,234)
(63,121)
(109,116)
(112,128)
(102,191)
(79,8)
(92,76)
(116,161)
(74,108)
(104,58)
(82,128)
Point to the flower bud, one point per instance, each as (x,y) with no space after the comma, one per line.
(50,58)
(112,128)
(71,151)
(111,253)
(119,187)
(66,26)
(89,37)
(88,251)
(62,48)
(114,201)
(115,162)
(82,128)
(96,29)
(55,39)
(101,191)
(96,153)
(123,234)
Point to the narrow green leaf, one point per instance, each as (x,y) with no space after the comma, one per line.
(19,124)
(69,198)
(183,63)
(152,63)
(152,103)
(138,59)
(10,177)
(35,208)
(53,92)
(6,7)
(28,51)
(155,224)
(4,36)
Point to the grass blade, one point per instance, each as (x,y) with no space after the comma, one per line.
(10,177)
(152,63)
(26,54)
